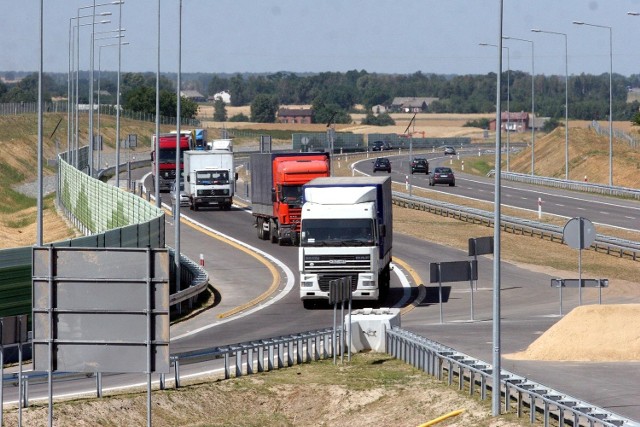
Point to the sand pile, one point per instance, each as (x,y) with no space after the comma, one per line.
(590,333)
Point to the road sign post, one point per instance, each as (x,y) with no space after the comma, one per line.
(579,233)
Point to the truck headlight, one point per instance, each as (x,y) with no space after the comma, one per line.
(306,281)
(368,283)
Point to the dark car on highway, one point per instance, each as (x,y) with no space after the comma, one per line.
(419,164)
(442,176)
(380,146)
(382,164)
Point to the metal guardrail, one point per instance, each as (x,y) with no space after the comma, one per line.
(605,244)
(430,356)
(472,374)
(194,279)
(239,359)
(586,187)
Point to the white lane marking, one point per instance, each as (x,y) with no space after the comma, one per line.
(288,288)
(557,195)
(406,286)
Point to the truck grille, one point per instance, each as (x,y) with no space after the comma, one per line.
(294,218)
(335,264)
(222,192)
(323,280)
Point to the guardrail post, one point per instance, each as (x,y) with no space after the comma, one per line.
(24,399)
(250,361)
(532,408)
(238,362)
(227,369)
(483,386)
(299,351)
(270,357)
(280,354)
(176,373)
(289,353)
(98,384)
(162,381)
(507,397)
(261,358)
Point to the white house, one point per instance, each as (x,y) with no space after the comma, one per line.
(224,95)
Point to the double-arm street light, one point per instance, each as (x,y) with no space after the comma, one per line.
(566,98)
(610,94)
(99,76)
(75,82)
(533,102)
(508,97)
(93,7)
(70,81)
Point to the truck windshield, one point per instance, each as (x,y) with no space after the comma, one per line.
(168,155)
(292,195)
(212,177)
(337,232)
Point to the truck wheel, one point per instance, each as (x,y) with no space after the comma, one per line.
(273,232)
(309,304)
(195,206)
(260,229)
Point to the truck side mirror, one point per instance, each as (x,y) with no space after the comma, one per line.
(273,195)
(382,230)
(188,178)
(236,176)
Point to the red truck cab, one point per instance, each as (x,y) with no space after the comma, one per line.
(167,157)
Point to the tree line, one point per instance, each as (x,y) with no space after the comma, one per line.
(335,95)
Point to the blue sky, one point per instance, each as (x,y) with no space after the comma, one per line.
(385,36)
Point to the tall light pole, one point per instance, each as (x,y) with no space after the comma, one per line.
(610,94)
(99,76)
(156,183)
(176,220)
(497,227)
(118,96)
(508,98)
(75,81)
(533,102)
(71,81)
(566,98)
(93,6)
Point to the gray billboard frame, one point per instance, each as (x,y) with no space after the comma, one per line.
(101,309)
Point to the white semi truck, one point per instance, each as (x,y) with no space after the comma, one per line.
(346,231)
(210,176)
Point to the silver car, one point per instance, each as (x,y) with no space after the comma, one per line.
(184,199)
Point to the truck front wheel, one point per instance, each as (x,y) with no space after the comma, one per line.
(273,232)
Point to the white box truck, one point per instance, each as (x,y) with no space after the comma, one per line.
(346,231)
(210,176)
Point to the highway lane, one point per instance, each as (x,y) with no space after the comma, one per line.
(530,306)
(599,209)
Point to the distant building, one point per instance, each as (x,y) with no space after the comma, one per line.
(518,122)
(295,115)
(378,109)
(411,104)
(193,95)
(223,95)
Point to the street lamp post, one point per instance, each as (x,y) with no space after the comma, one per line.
(508,99)
(566,98)
(93,7)
(99,76)
(118,96)
(610,94)
(70,81)
(533,102)
(156,147)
